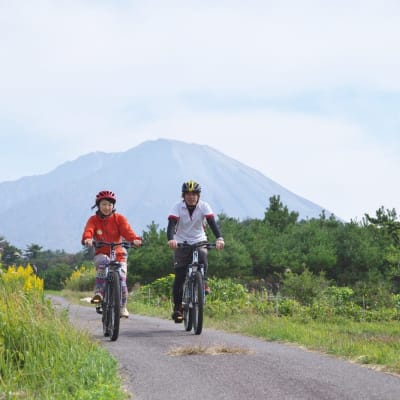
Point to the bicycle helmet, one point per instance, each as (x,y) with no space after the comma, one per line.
(106,195)
(191,186)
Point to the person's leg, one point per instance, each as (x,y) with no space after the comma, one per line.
(180,274)
(100,261)
(124,291)
(181,260)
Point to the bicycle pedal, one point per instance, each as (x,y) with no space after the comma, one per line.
(97,299)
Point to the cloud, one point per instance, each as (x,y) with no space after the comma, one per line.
(87,47)
(305,92)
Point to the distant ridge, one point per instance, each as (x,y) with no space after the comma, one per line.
(51,209)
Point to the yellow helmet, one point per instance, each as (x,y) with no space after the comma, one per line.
(191,186)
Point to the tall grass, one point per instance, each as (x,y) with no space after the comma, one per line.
(41,355)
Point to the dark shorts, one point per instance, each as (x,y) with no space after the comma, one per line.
(183,257)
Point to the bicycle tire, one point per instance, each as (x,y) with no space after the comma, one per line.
(105,317)
(112,313)
(198,303)
(187,311)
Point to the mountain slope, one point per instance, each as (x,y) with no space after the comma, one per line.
(51,209)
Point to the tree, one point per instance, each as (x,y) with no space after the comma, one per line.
(386,220)
(32,251)
(278,216)
(10,255)
(234,260)
(151,261)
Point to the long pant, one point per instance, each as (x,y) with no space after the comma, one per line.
(101,260)
(182,258)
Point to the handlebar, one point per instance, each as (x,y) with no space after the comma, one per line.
(198,245)
(125,244)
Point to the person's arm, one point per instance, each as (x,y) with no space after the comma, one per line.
(215,230)
(213,225)
(172,222)
(88,232)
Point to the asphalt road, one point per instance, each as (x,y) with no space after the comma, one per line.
(149,351)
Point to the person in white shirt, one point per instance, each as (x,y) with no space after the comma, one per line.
(186,224)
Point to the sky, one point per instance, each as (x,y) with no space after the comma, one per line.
(306,92)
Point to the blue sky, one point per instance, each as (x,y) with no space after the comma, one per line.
(306,92)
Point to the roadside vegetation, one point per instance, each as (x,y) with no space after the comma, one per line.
(41,355)
(331,322)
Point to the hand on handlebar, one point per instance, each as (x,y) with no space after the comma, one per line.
(172,244)
(137,242)
(219,244)
(88,242)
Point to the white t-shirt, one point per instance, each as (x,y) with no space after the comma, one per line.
(191,228)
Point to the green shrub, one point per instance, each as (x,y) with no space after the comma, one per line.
(304,287)
(156,292)
(82,280)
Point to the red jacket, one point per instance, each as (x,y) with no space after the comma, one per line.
(112,228)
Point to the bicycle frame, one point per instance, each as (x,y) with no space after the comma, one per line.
(193,298)
(111,305)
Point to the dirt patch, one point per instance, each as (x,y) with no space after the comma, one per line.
(212,350)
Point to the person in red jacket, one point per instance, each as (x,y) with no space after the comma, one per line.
(109,226)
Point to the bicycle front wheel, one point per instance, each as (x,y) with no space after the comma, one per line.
(112,310)
(198,303)
(187,310)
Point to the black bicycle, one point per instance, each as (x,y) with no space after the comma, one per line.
(110,308)
(193,298)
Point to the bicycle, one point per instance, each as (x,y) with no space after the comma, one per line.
(193,298)
(110,308)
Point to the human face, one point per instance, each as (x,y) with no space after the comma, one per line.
(191,198)
(106,207)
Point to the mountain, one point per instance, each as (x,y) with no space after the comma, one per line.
(51,209)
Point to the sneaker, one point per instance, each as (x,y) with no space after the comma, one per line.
(124,312)
(177,315)
(207,290)
(97,298)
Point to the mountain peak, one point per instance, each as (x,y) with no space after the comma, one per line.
(51,209)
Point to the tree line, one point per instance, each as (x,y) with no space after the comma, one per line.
(258,252)
(348,254)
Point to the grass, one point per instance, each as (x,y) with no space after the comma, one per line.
(42,356)
(376,345)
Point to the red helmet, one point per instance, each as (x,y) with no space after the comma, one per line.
(106,195)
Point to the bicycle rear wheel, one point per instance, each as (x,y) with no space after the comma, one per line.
(112,310)
(198,303)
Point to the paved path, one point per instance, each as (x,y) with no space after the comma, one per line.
(263,370)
